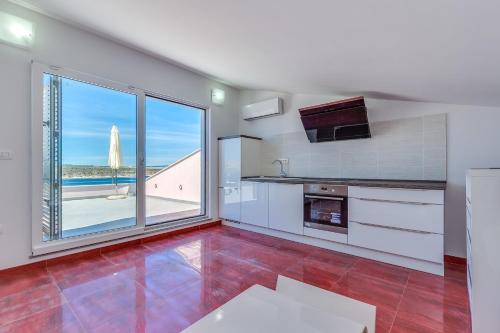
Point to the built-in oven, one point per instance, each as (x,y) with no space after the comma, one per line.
(325,207)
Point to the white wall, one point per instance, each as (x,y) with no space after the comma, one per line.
(59,44)
(180,181)
(473,140)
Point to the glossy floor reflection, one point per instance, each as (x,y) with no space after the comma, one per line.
(165,285)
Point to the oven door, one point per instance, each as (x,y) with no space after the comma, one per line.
(325,213)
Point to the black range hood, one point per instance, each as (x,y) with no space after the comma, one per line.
(341,120)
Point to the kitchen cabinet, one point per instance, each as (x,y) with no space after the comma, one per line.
(229,203)
(286,207)
(405,222)
(414,244)
(255,203)
(238,157)
(404,215)
(482,239)
(229,162)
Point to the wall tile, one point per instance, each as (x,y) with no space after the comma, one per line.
(358,165)
(412,148)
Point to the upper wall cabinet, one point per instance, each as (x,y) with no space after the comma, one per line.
(238,157)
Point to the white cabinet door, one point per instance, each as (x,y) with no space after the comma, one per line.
(404,215)
(286,207)
(230,162)
(398,194)
(255,203)
(419,245)
(229,203)
(250,161)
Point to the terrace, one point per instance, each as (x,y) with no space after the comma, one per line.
(172,193)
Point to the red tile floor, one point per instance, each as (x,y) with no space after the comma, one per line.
(165,285)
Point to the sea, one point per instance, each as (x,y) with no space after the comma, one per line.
(97,181)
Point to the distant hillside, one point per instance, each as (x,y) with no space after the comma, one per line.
(94,171)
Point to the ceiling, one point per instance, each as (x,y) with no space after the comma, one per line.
(427,50)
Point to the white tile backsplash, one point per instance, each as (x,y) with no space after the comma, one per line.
(412,148)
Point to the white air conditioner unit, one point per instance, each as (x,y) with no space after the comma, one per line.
(267,108)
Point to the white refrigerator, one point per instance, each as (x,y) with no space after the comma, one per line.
(238,157)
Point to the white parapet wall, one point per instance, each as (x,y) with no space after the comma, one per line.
(179,181)
(95,191)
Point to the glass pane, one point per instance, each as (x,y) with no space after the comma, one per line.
(97,159)
(174,160)
(323,211)
(326,211)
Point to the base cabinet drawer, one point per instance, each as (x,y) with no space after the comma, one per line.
(327,235)
(405,215)
(419,245)
(393,194)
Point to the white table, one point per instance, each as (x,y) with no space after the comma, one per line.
(259,309)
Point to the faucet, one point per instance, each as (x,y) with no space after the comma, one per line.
(282,170)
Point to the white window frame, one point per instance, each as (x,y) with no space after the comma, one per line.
(39,247)
(204,203)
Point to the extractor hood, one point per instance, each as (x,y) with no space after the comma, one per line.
(340,120)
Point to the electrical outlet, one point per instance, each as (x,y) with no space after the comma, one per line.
(284,161)
(5,155)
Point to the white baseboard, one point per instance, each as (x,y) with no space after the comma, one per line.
(419,265)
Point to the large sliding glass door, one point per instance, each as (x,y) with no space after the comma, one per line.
(175,161)
(100,171)
(90,158)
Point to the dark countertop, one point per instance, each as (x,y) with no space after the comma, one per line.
(238,136)
(388,183)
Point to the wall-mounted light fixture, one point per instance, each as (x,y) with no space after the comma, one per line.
(15,30)
(218,96)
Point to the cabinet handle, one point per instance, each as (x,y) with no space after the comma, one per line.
(393,228)
(323,197)
(399,202)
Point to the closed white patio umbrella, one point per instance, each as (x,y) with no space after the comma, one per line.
(115,158)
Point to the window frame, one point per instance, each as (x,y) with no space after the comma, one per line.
(204,156)
(40,247)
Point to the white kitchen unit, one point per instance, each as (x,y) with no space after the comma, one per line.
(255,203)
(286,207)
(229,203)
(483,248)
(395,225)
(405,222)
(237,158)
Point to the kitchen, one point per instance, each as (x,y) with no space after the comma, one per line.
(278,166)
(391,220)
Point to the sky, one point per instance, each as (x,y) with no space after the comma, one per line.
(88,113)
